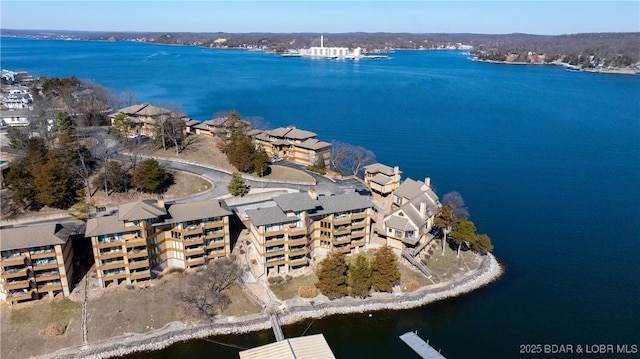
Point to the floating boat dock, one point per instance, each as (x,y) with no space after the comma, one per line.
(421,347)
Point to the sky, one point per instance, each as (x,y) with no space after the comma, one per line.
(541,17)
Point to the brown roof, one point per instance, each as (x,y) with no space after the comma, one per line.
(140,210)
(107,225)
(181,212)
(36,236)
(313,144)
(380,168)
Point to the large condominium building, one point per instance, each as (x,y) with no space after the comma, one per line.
(140,236)
(292,144)
(36,261)
(145,118)
(300,226)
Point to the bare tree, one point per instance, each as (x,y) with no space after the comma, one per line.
(349,159)
(203,295)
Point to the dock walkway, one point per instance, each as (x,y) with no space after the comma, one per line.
(277,329)
(421,347)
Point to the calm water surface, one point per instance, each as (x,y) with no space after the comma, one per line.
(548,162)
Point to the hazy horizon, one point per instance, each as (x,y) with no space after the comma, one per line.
(473,17)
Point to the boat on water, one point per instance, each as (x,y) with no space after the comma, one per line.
(572,68)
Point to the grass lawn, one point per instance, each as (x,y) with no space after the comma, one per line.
(240,303)
(288,290)
(58,311)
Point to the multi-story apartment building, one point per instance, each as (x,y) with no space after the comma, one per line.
(303,225)
(140,236)
(144,119)
(36,261)
(292,144)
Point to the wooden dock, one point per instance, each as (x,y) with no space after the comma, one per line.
(421,347)
(275,325)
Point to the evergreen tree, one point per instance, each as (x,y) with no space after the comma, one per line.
(19,179)
(120,126)
(360,276)
(482,243)
(332,276)
(149,176)
(465,232)
(237,186)
(64,129)
(53,182)
(445,220)
(385,269)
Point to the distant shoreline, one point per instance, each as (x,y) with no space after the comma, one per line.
(488,271)
(610,71)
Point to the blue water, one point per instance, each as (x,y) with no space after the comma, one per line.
(548,162)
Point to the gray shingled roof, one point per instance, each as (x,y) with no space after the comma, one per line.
(409,188)
(313,144)
(342,203)
(181,212)
(140,210)
(397,222)
(380,179)
(296,202)
(269,215)
(254,132)
(379,168)
(297,134)
(278,132)
(36,236)
(107,225)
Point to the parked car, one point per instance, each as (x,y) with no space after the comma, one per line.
(275,159)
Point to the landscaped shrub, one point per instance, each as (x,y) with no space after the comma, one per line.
(174,270)
(54,329)
(317,169)
(275,280)
(288,278)
(307,292)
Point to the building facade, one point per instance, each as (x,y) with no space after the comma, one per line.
(382,179)
(294,145)
(37,261)
(141,236)
(304,225)
(415,206)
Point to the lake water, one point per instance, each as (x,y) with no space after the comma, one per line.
(548,162)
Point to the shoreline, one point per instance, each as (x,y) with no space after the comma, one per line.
(488,271)
(608,71)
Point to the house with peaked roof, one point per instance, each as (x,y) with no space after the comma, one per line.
(382,179)
(303,225)
(140,236)
(415,207)
(37,261)
(144,117)
(295,145)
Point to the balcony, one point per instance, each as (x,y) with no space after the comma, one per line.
(298,261)
(193,240)
(114,253)
(50,286)
(214,224)
(341,219)
(215,244)
(300,250)
(18,285)
(112,265)
(273,261)
(16,259)
(138,265)
(358,243)
(137,253)
(15,273)
(136,242)
(42,254)
(16,296)
(109,244)
(44,264)
(341,230)
(46,276)
(358,224)
(216,254)
(113,275)
(357,216)
(297,241)
(274,241)
(140,275)
(295,230)
(192,251)
(341,240)
(191,262)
